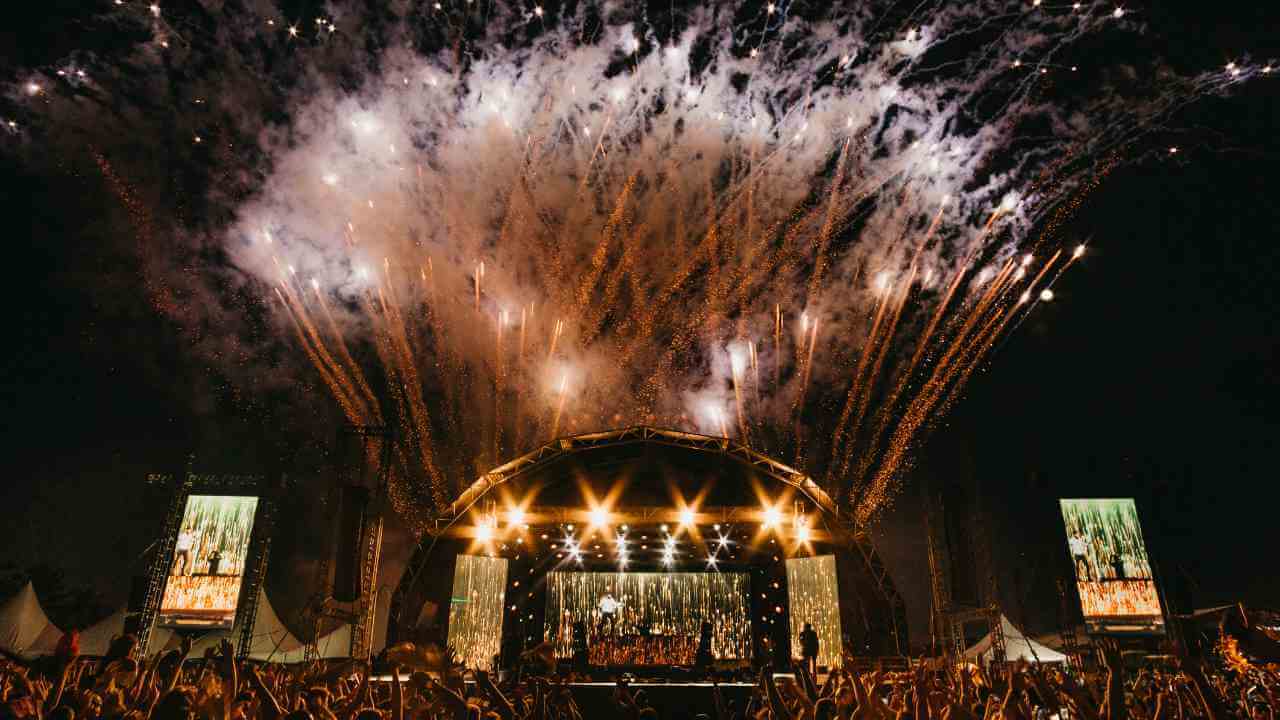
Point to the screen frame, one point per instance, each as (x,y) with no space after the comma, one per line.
(1145,624)
(172,620)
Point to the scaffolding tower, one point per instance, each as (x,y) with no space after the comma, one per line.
(363,461)
(949,615)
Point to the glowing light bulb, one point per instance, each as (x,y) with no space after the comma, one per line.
(772,517)
(802,534)
(33,88)
(599,517)
(515,516)
(1046,295)
(771,8)
(537,10)
(484,532)
(686,517)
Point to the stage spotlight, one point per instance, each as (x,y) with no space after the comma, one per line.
(711,561)
(515,516)
(724,541)
(687,517)
(599,517)
(569,527)
(802,534)
(665,528)
(772,517)
(624,528)
(484,532)
(717,527)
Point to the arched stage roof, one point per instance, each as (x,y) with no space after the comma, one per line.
(650,457)
(610,441)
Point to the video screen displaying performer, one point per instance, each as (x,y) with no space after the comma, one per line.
(648,618)
(1113,573)
(209,554)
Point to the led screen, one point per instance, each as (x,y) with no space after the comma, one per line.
(814,598)
(1113,573)
(657,617)
(475,610)
(203,588)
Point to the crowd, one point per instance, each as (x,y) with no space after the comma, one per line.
(218,687)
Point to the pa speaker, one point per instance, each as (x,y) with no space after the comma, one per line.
(346,562)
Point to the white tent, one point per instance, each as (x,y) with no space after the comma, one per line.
(25,630)
(272,641)
(1017,646)
(336,644)
(96,639)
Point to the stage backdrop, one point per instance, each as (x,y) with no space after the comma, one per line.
(673,604)
(814,597)
(203,588)
(475,610)
(1113,573)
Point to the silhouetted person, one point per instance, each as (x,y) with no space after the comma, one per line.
(703,658)
(809,648)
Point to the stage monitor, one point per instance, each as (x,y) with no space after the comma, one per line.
(814,597)
(209,556)
(648,618)
(1113,573)
(475,610)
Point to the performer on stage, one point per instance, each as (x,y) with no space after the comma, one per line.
(809,648)
(609,612)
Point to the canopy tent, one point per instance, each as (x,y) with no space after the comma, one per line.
(1017,646)
(96,639)
(272,641)
(335,644)
(25,631)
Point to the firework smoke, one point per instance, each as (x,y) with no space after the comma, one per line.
(514,224)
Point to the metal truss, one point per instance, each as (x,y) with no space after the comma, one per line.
(571,445)
(255,574)
(845,527)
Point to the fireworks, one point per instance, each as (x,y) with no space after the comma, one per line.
(669,209)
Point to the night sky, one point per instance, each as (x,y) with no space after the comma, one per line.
(1152,374)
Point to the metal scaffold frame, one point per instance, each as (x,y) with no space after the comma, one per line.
(363,612)
(182,487)
(948,617)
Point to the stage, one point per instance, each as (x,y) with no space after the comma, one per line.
(639,548)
